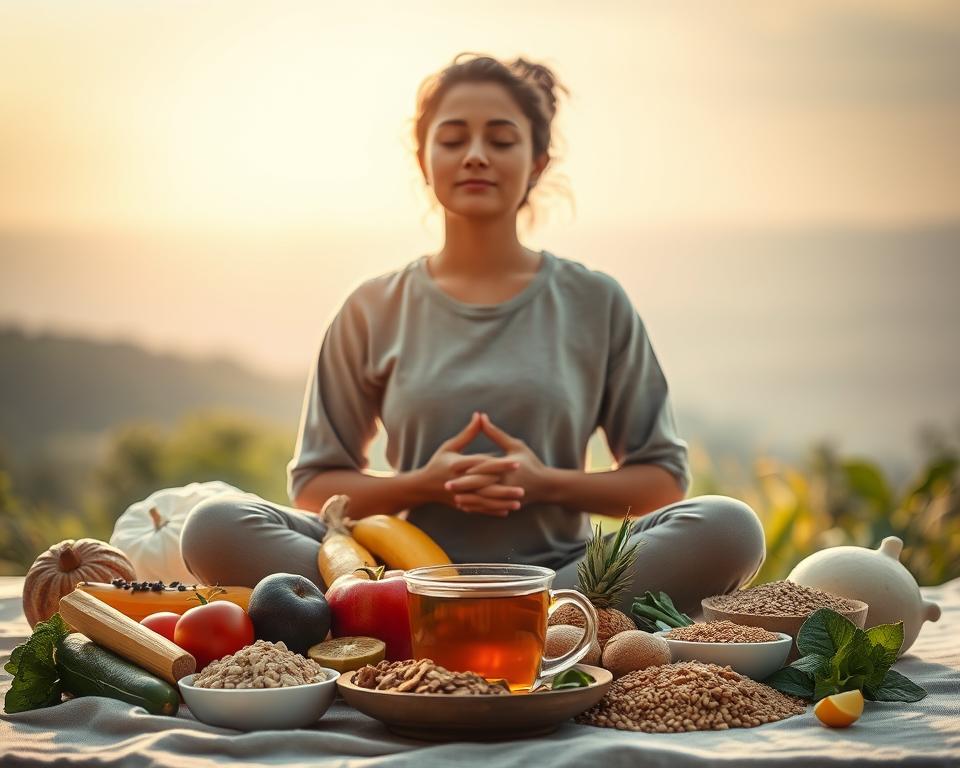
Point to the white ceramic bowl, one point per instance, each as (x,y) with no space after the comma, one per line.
(260,709)
(755,660)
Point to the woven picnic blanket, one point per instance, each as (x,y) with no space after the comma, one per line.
(94,731)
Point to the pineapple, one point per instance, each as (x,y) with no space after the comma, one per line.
(604,573)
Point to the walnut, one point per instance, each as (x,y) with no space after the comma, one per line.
(424,676)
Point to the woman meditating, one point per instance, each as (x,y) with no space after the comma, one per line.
(490,366)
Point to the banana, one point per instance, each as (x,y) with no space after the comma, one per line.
(398,543)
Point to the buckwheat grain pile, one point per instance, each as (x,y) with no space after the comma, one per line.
(780,598)
(689,696)
(721,632)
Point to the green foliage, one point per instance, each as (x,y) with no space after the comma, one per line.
(835,500)
(850,501)
(829,501)
(140,459)
(36,681)
(838,656)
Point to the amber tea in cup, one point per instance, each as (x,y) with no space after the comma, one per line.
(490,619)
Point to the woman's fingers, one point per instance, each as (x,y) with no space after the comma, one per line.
(461,465)
(489,466)
(472,502)
(463,438)
(485,483)
(471,482)
(498,491)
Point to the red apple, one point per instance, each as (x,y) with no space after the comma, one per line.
(372,603)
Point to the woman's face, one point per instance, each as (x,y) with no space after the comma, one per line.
(479,132)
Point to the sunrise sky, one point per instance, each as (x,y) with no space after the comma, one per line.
(214,177)
(118,114)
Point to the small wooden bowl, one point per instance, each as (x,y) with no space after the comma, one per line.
(788,625)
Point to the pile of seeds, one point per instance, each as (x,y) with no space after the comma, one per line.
(151,586)
(721,632)
(689,696)
(261,665)
(780,598)
(423,676)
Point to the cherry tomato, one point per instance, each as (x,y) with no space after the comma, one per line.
(214,630)
(374,607)
(162,623)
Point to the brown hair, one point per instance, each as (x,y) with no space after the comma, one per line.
(533,87)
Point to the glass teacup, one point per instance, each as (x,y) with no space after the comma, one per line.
(491,618)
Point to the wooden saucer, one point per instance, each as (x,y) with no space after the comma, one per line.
(439,717)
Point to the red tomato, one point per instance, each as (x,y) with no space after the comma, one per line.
(162,623)
(212,631)
(360,606)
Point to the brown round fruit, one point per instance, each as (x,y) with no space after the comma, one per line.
(345,654)
(632,650)
(610,621)
(563,637)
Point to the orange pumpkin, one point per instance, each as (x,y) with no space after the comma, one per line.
(58,570)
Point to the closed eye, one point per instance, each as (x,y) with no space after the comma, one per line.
(501,144)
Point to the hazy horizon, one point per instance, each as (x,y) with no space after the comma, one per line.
(783,336)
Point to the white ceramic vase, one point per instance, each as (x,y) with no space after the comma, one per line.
(875,576)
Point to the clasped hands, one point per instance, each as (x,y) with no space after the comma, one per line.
(481,483)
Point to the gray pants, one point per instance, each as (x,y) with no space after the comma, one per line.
(708,545)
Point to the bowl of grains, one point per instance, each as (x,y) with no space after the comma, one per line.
(752,651)
(780,606)
(264,686)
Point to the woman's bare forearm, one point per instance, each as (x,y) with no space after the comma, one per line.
(640,487)
(369,494)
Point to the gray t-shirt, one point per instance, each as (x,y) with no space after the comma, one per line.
(566,355)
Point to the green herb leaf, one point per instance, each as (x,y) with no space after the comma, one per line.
(571,678)
(895,687)
(812,664)
(792,681)
(856,656)
(36,682)
(825,632)
(890,637)
(839,656)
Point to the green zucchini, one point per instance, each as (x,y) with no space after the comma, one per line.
(86,669)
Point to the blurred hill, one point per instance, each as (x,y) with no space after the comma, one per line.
(60,394)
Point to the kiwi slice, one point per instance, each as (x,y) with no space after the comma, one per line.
(348,653)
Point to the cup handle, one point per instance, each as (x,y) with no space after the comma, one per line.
(551,667)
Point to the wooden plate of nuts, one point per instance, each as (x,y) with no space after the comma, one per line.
(461,706)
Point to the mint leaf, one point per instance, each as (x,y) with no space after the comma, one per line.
(571,678)
(14,661)
(855,658)
(895,687)
(791,681)
(890,638)
(825,686)
(812,664)
(825,632)
(839,656)
(36,682)
(36,685)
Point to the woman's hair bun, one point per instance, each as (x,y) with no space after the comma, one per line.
(543,78)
